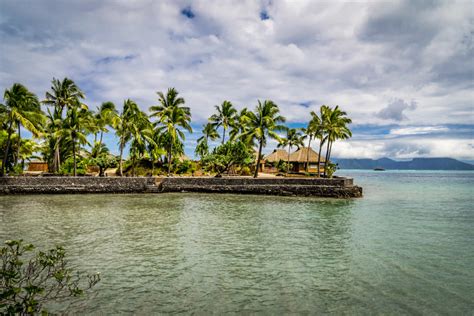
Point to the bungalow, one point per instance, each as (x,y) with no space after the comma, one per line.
(299,158)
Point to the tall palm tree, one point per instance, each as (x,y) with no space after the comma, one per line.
(208,132)
(262,124)
(312,131)
(124,126)
(141,132)
(21,108)
(170,116)
(74,128)
(226,114)
(64,95)
(293,138)
(336,128)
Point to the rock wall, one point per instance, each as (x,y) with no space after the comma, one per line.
(337,187)
(49,185)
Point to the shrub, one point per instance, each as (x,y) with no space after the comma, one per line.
(25,285)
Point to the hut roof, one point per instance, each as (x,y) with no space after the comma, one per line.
(277,155)
(301,155)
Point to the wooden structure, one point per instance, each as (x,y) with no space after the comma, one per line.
(299,158)
(38,166)
(268,162)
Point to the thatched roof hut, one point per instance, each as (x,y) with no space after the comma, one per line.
(277,155)
(301,155)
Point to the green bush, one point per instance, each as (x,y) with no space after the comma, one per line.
(26,284)
(67,167)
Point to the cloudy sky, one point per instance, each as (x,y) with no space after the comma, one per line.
(402,70)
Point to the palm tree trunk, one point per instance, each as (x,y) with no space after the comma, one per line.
(5,157)
(258,158)
(57,156)
(101,135)
(319,157)
(152,166)
(307,155)
(74,155)
(169,158)
(95,138)
(18,146)
(330,150)
(327,157)
(133,165)
(223,136)
(288,160)
(120,159)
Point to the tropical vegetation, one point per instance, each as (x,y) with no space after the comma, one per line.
(73,139)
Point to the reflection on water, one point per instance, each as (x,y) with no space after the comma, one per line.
(228,253)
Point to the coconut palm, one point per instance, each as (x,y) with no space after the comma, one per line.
(208,132)
(170,116)
(315,129)
(335,125)
(74,129)
(226,114)
(103,117)
(64,95)
(124,126)
(141,132)
(262,125)
(293,138)
(238,128)
(21,108)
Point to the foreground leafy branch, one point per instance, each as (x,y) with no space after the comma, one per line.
(27,284)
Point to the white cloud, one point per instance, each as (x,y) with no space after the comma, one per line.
(418,130)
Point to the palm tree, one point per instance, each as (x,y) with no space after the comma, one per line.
(208,132)
(336,128)
(21,108)
(238,126)
(141,132)
(74,128)
(313,130)
(293,138)
(64,95)
(262,124)
(226,114)
(171,115)
(124,126)
(103,117)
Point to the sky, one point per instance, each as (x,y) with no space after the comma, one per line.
(402,70)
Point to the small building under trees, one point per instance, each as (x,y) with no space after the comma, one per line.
(297,161)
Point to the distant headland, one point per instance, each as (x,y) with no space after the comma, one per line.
(414,164)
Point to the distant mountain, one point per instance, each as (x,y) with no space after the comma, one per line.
(414,164)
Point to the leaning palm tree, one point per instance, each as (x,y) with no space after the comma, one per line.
(336,128)
(21,108)
(293,138)
(226,114)
(170,116)
(262,124)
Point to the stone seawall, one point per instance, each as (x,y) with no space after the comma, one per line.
(337,187)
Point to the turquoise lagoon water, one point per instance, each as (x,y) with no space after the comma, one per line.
(407,247)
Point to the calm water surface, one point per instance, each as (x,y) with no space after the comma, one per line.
(407,247)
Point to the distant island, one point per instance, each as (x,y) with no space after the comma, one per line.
(414,164)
